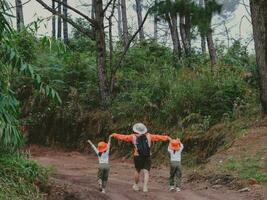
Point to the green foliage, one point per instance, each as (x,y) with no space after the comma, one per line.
(11,62)
(20,179)
(148,88)
(199,16)
(163,93)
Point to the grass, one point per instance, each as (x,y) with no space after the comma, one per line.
(249,167)
(20,179)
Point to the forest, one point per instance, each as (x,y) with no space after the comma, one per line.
(87,69)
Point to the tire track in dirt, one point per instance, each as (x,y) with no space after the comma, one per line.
(75,179)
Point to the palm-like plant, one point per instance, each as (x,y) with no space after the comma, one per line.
(10,60)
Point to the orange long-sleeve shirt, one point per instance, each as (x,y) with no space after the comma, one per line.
(132,138)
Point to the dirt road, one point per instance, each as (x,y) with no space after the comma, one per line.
(75,179)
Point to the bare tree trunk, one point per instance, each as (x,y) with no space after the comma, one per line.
(156,24)
(110,42)
(185,35)
(65,23)
(172,22)
(188,33)
(93,9)
(139,4)
(203,37)
(155,28)
(259,22)
(203,43)
(124,23)
(101,52)
(19,13)
(211,47)
(119,20)
(53,20)
(59,23)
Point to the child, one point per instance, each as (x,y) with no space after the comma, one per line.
(102,151)
(175,149)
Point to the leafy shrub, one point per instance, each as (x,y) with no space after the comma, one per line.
(20,178)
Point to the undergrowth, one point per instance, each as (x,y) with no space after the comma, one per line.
(20,178)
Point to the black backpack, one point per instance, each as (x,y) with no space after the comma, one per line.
(142,145)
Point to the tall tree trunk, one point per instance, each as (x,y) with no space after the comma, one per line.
(65,23)
(139,4)
(203,43)
(59,23)
(53,20)
(188,33)
(172,22)
(110,42)
(203,37)
(124,23)
(185,35)
(211,47)
(155,27)
(93,9)
(156,24)
(259,22)
(101,52)
(19,13)
(119,19)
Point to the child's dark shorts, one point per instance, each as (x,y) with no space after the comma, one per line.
(142,162)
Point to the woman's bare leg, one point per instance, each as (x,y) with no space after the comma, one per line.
(146,179)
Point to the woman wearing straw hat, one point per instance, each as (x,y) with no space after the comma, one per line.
(175,149)
(141,140)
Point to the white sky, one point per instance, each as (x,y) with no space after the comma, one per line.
(33,11)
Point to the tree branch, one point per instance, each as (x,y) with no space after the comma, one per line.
(92,21)
(22,4)
(108,4)
(70,21)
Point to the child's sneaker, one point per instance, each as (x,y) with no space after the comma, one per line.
(178,189)
(172,188)
(135,187)
(145,189)
(100,184)
(103,191)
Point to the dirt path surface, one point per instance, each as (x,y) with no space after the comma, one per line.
(75,179)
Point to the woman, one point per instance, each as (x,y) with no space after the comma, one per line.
(141,140)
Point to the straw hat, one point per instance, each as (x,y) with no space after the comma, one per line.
(140,128)
(175,145)
(102,147)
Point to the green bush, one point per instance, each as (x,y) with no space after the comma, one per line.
(20,178)
(149,87)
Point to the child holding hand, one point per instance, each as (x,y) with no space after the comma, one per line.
(175,149)
(102,152)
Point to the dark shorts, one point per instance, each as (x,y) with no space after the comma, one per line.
(142,162)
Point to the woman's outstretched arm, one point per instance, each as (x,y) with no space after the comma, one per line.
(125,138)
(156,138)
